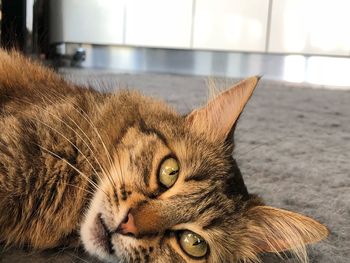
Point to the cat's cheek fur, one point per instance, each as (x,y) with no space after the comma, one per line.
(88,230)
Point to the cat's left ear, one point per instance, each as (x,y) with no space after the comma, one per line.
(218,118)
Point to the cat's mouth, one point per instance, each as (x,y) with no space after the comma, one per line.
(103,235)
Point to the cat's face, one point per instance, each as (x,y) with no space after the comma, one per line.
(174,194)
(167,187)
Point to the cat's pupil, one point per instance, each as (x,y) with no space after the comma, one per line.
(196,243)
(173,173)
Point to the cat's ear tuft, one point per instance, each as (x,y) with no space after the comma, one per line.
(217,119)
(276,230)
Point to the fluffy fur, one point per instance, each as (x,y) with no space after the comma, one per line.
(72,156)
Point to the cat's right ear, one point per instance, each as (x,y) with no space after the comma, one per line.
(217,119)
(275,230)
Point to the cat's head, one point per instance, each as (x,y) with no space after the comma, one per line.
(174,193)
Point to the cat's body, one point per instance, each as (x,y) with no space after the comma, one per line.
(33,184)
(76,164)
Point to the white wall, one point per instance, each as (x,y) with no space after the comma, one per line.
(158,23)
(310,26)
(279,26)
(230,25)
(88,21)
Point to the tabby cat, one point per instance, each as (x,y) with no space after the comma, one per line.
(128,178)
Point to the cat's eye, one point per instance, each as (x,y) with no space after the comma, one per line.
(193,244)
(168,172)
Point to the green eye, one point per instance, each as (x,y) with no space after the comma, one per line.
(193,244)
(168,172)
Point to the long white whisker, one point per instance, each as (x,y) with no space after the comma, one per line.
(71,128)
(81,188)
(79,258)
(61,134)
(73,167)
(86,136)
(86,117)
(89,121)
(119,171)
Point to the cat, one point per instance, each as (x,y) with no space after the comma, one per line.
(128,178)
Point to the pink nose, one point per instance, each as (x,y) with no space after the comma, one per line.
(128,226)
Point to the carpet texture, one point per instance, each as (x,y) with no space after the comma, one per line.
(292,145)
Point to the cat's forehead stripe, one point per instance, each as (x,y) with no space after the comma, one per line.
(199,176)
(148,130)
(207,170)
(215,222)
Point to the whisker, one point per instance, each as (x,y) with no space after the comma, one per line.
(86,136)
(66,124)
(68,140)
(104,172)
(93,168)
(102,142)
(86,117)
(119,171)
(71,128)
(79,258)
(81,188)
(72,166)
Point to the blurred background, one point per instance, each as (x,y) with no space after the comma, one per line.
(291,40)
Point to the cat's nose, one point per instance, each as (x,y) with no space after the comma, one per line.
(127,226)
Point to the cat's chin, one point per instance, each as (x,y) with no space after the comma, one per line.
(95,238)
(95,235)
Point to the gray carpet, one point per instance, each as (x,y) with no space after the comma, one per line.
(293,147)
